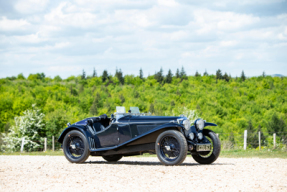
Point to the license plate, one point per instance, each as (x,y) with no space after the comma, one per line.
(203,147)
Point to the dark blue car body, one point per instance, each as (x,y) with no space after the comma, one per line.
(131,134)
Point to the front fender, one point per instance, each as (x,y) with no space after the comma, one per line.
(209,124)
(70,128)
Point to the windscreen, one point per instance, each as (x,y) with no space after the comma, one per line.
(134,110)
(121,109)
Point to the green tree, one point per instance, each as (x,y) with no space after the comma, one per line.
(94,73)
(105,76)
(119,76)
(243,76)
(226,77)
(83,75)
(276,125)
(95,105)
(141,73)
(57,78)
(205,73)
(218,74)
(168,78)
(21,76)
(159,76)
(151,108)
(197,74)
(182,73)
(252,136)
(177,74)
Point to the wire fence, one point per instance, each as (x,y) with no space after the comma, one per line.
(24,145)
(246,140)
(253,140)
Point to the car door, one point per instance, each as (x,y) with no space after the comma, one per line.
(124,130)
(108,137)
(118,132)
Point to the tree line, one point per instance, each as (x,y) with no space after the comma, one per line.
(234,103)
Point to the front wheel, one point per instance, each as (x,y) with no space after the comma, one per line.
(76,147)
(171,147)
(211,156)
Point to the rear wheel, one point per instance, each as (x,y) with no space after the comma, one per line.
(76,147)
(171,147)
(112,158)
(210,156)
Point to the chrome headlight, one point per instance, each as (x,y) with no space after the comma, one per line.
(186,124)
(200,136)
(191,136)
(200,124)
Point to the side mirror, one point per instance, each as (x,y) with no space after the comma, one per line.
(112,116)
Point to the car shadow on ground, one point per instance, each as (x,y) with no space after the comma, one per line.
(151,163)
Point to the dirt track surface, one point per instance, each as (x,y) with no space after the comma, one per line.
(55,173)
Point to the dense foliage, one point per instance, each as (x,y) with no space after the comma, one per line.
(235,104)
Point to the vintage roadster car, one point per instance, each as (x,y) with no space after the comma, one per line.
(135,133)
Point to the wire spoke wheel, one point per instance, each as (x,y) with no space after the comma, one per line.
(75,147)
(206,154)
(208,157)
(170,148)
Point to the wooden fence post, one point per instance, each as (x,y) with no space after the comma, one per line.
(259,138)
(45,144)
(245,139)
(53,143)
(274,139)
(22,145)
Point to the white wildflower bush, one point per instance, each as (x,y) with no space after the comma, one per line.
(29,126)
(188,113)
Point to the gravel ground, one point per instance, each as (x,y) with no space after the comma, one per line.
(55,173)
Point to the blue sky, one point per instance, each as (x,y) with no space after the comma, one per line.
(65,37)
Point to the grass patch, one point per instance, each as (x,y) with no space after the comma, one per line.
(249,153)
(35,153)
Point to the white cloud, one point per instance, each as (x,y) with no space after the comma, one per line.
(210,21)
(168,3)
(228,43)
(67,14)
(13,25)
(31,6)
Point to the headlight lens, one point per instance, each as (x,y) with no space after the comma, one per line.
(186,124)
(191,136)
(200,124)
(200,136)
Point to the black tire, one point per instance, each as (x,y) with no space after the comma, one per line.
(176,152)
(209,157)
(75,146)
(112,158)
